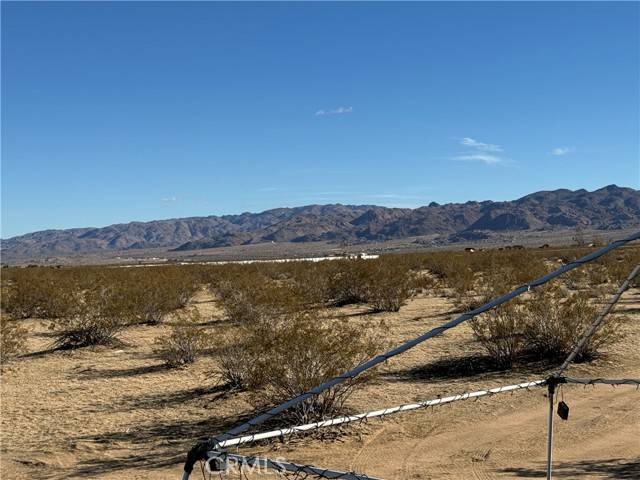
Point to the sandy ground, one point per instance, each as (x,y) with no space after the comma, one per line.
(116,413)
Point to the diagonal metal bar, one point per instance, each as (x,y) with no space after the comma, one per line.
(598,321)
(377,413)
(604,381)
(282,466)
(199,450)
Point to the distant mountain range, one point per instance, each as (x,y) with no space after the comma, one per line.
(608,208)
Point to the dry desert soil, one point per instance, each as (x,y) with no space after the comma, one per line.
(117,413)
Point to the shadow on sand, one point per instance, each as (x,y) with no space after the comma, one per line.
(479,366)
(155,445)
(93,374)
(613,468)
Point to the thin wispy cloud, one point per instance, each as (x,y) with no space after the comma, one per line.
(171,199)
(479,152)
(484,147)
(485,158)
(334,111)
(560,151)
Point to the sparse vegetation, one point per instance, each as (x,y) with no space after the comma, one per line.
(38,292)
(544,327)
(286,356)
(90,305)
(306,352)
(388,287)
(501,333)
(252,297)
(13,337)
(185,341)
(103,312)
(556,321)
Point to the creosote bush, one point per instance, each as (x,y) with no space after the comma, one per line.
(38,293)
(501,333)
(250,298)
(555,323)
(309,352)
(44,292)
(95,321)
(239,365)
(283,357)
(185,341)
(348,282)
(545,326)
(154,292)
(13,337)
(388,287)
(313,282)
(385,283)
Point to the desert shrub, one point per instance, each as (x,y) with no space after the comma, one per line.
(463,272)
(486,289)
(310,352)
(501,333)
(423,281)
(495,273)
(144,294)
(13,337)
(238,364)
(252,297)
(384,283)
(575,279)
(185,341)
(300,286)
(587,276)
(244,352)
(313,282)
(347,282)
(387,286)
(545,326)
(151,298)
(38,292)
(555,321)
(597,274)
(520,267)
(255,304)
(154,292)
(443,265)
(290,355)
(619,264)
(97,320)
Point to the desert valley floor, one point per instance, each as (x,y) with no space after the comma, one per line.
(117,413)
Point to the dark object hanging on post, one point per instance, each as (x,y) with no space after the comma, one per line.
(563,410)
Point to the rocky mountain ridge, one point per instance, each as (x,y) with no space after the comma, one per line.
(608,208)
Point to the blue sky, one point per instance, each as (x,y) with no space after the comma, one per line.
(139,111)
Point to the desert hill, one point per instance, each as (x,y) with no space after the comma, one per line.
(608,208)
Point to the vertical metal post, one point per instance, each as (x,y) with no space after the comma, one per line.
(552,390)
